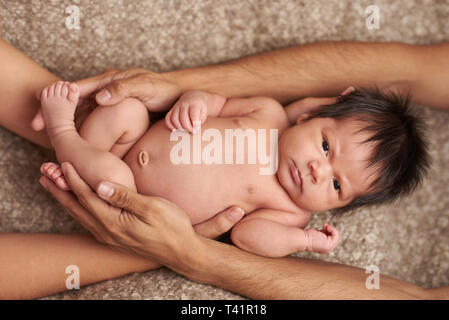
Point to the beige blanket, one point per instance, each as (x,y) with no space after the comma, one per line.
(408,240)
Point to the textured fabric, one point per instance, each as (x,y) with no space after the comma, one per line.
(408,240)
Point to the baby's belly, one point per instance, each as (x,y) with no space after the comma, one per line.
(202,190)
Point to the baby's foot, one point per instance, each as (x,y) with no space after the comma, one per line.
(58,107)
(53,172)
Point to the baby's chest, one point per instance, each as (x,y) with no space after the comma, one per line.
(203,174)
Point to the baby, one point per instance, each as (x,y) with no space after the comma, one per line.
(365,149)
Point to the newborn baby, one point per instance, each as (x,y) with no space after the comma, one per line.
(365,149)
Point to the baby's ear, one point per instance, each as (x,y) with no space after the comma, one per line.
(302,118)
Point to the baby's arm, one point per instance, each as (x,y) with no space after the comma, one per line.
(274,233)
(193,108)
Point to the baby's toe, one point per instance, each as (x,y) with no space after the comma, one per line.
(49,168)
(57,173)
(74,92)
(58,88)
(51,90)
(44,94)
(65,89)
(45,166)
(62,184)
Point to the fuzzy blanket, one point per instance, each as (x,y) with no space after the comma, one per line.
(408,240)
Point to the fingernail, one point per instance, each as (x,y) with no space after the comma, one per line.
(104,95)
(105,189)
(236,214)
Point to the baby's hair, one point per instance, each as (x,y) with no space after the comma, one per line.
(400,155)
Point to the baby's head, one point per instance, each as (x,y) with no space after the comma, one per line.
(366,149)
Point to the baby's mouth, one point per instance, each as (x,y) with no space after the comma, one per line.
(295,174)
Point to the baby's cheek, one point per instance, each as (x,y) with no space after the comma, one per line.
(315,201)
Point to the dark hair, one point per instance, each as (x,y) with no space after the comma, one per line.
(400,155)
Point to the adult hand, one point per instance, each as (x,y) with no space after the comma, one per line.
(155,90)
(149,226)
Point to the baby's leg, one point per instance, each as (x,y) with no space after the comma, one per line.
(93,164)
(116,128)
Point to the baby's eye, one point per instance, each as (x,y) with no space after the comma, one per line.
(336,185)
(325,146)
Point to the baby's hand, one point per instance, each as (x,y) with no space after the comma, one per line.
(323,241)
(188,113)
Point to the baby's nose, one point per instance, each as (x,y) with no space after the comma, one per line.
(320,171)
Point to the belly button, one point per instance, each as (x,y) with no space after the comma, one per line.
(143,158)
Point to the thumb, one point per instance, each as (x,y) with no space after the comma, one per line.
(114,92)
(220,223)
(123,197)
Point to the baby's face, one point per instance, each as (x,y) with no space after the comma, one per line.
(323,164)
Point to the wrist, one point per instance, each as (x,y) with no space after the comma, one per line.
(224,79)
(308,240)
(186,79)
(195,262)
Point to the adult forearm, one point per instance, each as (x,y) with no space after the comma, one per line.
(256,277)
(430,86)
(325,69)
(34,265)
(318,69)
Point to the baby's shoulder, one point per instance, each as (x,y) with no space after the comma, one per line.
(270,112)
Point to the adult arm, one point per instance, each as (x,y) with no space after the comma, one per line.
(164,234)
(37,262)
(317,69)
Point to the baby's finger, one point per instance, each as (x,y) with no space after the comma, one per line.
(168,121)
(195,115)
(203,114)
(185,118)
(324,229)
(334,234)
(175,118)
(327,227)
